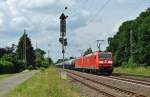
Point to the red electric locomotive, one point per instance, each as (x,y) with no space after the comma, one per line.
(100,62)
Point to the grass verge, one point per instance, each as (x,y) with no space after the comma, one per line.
(136,70)
(47,83)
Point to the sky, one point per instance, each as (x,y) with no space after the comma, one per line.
(88,21)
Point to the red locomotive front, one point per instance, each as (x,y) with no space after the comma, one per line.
(105,62)
(101,62)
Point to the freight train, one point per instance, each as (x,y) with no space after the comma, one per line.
(98,62)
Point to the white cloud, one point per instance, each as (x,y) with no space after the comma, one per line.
(41,19)
(127,1)
(85,13)
(1,20)
(19,22)
(39,3)
(68,2)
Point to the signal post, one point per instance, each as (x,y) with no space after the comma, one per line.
(63,40)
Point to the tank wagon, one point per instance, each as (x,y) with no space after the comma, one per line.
(67,64)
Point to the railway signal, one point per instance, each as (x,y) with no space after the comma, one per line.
(62,38)
(63,25)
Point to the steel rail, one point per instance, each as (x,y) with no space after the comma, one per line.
(92,87)
(109,86)
(131,80)
(133,77)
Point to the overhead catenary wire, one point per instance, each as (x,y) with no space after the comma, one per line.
(77,7)
(108,35)
(77,3)
(99,11)
(137,6)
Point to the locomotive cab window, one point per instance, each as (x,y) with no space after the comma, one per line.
(103,56)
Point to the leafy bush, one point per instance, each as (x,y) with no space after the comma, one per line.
(6,67)
(42,69)
(120,46)
(130,64)
(18,65)
(45,64)
(10,64)
(30,67)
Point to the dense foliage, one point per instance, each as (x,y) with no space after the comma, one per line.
(25,49)
(7,50)
(120,43)
(12,61)
(40,60)
(9,64)
(61,60)
(88,51)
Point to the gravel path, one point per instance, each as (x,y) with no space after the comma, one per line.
(9,83)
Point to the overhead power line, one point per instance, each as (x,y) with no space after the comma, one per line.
(77,6)
(99,11)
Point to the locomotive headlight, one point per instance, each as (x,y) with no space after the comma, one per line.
(110,62)
(101,62)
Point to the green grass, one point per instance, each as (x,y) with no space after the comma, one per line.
(47,83)
(136,70)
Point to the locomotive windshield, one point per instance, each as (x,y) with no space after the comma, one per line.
(103,56)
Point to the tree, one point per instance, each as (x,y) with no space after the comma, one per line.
(7,50)
(39,54)
(40,60)
(72,57)
(50,61)
(88,51)
(25,50)
(60,60)
(16,64)
(120,43)
(109,40)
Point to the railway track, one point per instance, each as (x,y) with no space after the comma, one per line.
(108,90)
(137,81)
(89,84)
(119,74)
(133,77)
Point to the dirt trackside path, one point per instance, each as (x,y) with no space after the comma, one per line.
(9,83)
